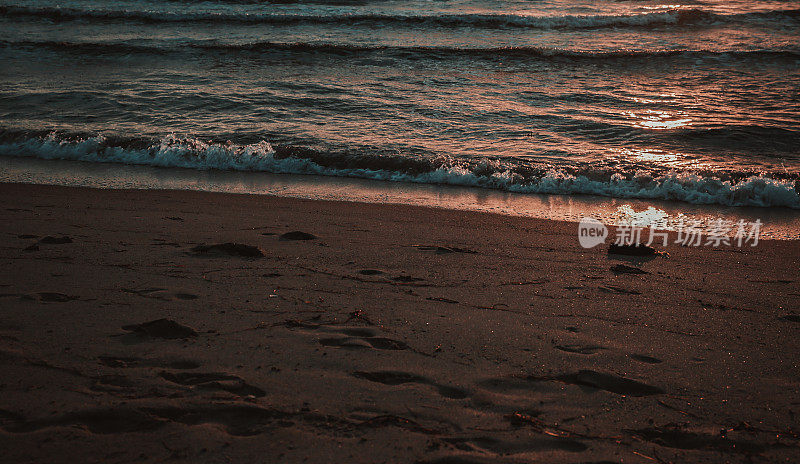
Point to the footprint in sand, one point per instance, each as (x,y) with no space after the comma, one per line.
(161,294)
(164,243)
(352,337)
(529,445)
(129,362)
(403,279)
(161,328)
(214,381)
(462,459)
(580,349)
(229,249)
(399,378)
(645,359)
(100,421)
(390,420)
(618,290)
(297,235)
(610,383)
(239,420)
(674,437)
(380,343)
(443,250)
(624,269)
(442,299)
(114,383)
(639,250)
(584,378)
(370,272)
(49,297)
(50,240)
(236,420)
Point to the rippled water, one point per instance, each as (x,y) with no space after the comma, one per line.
(695,101)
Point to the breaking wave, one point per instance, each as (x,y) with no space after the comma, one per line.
(691,187)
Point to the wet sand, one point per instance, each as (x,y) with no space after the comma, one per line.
(347,332)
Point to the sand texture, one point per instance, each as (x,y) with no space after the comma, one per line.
(153,326)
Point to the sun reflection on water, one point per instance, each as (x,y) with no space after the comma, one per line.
(659,120)
(654,155)
(662,158)
(673,6)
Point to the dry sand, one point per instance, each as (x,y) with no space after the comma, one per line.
(398,334)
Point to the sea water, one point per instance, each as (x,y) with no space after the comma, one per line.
(630,102)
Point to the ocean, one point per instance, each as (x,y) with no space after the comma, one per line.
(690,103)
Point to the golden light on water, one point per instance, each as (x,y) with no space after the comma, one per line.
(659,120)
(660,157)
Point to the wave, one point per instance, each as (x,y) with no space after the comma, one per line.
(674,17)
(692,187)
(437,52)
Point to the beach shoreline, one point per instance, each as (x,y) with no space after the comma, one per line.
(364,332)
(777,223)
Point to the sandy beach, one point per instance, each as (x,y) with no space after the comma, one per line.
(347,332)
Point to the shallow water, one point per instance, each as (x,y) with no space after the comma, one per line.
(696,101)
(777,223)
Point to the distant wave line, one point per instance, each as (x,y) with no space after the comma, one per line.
(400,51)
(674,17)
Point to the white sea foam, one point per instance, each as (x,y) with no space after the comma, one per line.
(688,187)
